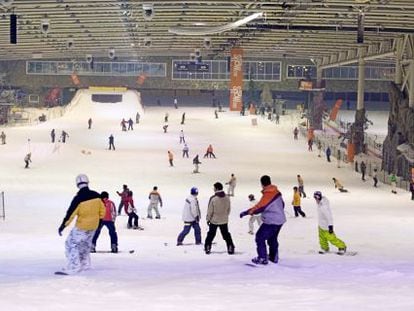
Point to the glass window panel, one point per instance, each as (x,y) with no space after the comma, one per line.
(344,72)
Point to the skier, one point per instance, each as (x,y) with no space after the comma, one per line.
(191,218)
(209,153)
(185,151)
(123,125)
(166,117)
(111,142)
(412,189)
(338,185)
(165,127)
(325,226)
(375,177)
(88,208)
(89,123)
(154,198)
(277,118)
(295,133)
(3,138)
(253,218)
(196,163)
(328,154)
(109,222)
(131,212)
(319,148)
(175,103)
(63,136)
(170,158)
(183,118)
(218,217)
(310,144)
(338,158)
(182,139)
(296,203)
(301,186)
(271,206)
(216,113)
(123,195)
(52,135)
(27,159)
(232,185)
(130,124)
(393,181)
(137,117)
(363,169)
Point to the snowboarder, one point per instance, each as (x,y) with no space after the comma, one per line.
(375,177)
(328,154)
(271,207)
(218,217)
(170,158)
(253,218)
(296,203)
(131,212)
(325,226)
(123,195)
(52,135)
(111,142)
(89,123)
(393,181)
(130,124)
(363,169)
(155,199)
(338,185)
(182,139)
(137,117)
(123,125)
(3,138)
(185,151)
(209,153)
(88,208)
(63,136)
(196,163)
(191,218)
(232,184)
(183,118)
(27,159)
(109,222)
(295,133)
(165,127)
(301,186)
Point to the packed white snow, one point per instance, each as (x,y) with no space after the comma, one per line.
(158,275)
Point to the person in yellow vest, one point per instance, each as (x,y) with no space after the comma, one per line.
(296,203)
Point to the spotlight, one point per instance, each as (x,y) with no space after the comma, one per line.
(111,53)
(147,11)
(45,26)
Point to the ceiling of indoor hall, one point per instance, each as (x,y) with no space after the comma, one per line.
(133,29)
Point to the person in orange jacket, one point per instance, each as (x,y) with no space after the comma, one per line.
(209,152)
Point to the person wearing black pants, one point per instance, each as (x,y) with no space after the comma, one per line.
(218,217)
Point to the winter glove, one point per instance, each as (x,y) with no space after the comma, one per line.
(60,230)
(242,214)
(208,223)
(330,229)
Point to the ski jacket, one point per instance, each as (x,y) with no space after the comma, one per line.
(296,198)
(218,208)
(196,160)
(271,206)
(89,209)
(338,184)
(110,210)
(300,181)
(129,205)
(155,197)
(191,211)
(123,194)
(324,214)
(232,181)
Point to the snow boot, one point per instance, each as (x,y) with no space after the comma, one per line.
(93,249)
(114,248)
(259,261)
(341,251)
(207,249)
(230,250)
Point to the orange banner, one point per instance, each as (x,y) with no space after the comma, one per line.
(236,79)
(335,109)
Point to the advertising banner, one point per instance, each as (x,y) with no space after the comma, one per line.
(236,79)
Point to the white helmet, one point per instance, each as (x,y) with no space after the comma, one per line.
(82,180)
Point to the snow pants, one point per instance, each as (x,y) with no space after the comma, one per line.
(252,219)
(268,233)
(186,230)
(230,191)
(302,191)
(298,211)
(132,217)
(77,249)
(112,232)
(211,234)
(325,238)
(154,207)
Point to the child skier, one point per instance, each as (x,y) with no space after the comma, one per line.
(253,218)
(191,218)
(325,223)
(109,222)
(154,198)
(27,159)
(131,211)
(296,203)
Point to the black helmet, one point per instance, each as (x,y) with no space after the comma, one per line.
(194,191)
(317,195)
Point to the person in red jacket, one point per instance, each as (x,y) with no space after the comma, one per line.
(131,212)
(123,196)
(109,222)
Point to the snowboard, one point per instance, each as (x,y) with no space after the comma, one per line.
(109,252)
(60,273)
(347,253)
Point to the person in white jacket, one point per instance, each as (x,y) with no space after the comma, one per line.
(232,184)
(191,218)
(325,225)
(253,218)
